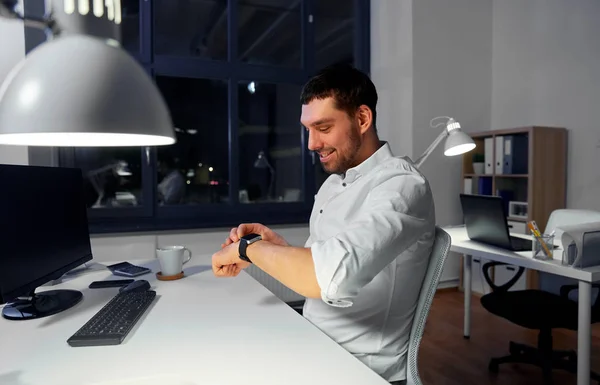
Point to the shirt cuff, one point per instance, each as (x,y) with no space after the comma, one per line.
(327,258)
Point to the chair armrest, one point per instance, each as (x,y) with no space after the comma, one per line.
(296,304)
(505,286)
(566,289)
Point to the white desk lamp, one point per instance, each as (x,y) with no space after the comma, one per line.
(457,142)
(80,88)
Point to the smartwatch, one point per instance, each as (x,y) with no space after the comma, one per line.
(246,241)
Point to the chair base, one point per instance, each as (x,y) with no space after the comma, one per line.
(546,359)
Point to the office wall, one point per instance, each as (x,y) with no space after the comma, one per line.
(452,58)
(12,50)
(432,58)
(392,72)
(546,56)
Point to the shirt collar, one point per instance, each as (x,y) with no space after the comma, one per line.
(383,153)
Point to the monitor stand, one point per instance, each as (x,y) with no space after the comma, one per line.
(42,304)
(87,267)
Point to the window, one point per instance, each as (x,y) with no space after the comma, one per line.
(196,168)
(112,177)
(270,143)
(130,26)
(191,28)
(231,73)
(270,32)
(334,33)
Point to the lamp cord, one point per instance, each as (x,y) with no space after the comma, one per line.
(439,124)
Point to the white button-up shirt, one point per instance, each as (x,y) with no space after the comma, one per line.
(371,234)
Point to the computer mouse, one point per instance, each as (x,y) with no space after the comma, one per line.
(139,285)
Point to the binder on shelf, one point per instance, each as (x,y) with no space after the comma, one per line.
(516,153)
(485,186)
(489,155)
(506,196)
(499,157)
(468,186)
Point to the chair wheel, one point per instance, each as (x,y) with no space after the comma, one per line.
(493,366)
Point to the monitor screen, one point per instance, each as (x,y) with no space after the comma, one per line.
(43,227)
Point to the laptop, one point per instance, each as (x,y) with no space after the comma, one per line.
(485,221)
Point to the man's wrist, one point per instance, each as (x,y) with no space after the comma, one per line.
(245,242)
(254,250)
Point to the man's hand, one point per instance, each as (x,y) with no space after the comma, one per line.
(227,263)
(248,228)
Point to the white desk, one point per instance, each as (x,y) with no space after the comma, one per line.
(462,244)
(200,330)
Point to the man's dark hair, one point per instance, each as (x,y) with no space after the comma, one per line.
(349,87)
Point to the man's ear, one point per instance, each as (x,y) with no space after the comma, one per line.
(364,116)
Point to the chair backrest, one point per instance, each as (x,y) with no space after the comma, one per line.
(564,217)
(439,252)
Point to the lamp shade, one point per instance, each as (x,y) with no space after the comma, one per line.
(79,90)
(122,169)
(261,161)
(458,143)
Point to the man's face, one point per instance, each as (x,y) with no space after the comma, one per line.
(332,134)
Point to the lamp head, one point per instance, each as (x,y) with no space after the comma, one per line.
(103,98)
(457,142)
(80,88)
(122,169)
(262,161)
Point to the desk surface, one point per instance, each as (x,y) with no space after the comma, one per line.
(462,244)
(201,330)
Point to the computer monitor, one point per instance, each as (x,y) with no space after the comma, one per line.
(43,234)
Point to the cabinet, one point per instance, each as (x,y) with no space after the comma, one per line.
(527,167)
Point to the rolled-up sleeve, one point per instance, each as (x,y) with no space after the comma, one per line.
(394,216)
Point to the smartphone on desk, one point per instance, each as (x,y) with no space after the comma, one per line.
(110,283)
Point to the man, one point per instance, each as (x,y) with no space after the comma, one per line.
(371,230)
(171,189)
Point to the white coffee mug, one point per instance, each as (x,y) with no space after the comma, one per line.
(171,259)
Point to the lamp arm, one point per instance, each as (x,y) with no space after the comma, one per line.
(271,184)
(48,24)
(431,147)
(272,179)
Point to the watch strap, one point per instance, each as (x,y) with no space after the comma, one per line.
(246,241)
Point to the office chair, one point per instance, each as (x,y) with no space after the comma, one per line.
(439,252)
(538,310)
(297,305)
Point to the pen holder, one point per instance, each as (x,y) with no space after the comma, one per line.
(541,252)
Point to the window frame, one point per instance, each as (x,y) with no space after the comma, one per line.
(151,217)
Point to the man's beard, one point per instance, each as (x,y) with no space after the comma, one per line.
(347,157)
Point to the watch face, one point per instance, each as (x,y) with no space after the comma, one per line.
(251,238)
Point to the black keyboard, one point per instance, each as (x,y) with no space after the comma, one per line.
(114,321)
(523,244)
(520,244)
